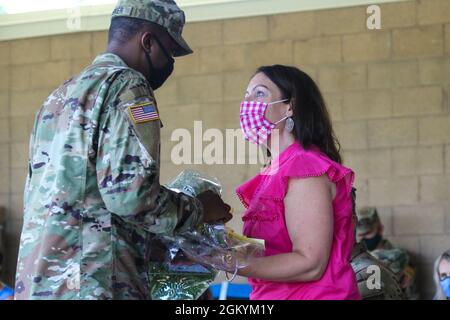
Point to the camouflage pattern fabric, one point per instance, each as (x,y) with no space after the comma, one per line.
(368,220)
(364,264)
(384,244)
(394,258)
(165,13)
(398,261)
(92,199)
(389,286)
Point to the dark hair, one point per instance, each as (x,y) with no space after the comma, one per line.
(122,29)
(311,118)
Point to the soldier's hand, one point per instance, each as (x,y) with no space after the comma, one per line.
(214,209)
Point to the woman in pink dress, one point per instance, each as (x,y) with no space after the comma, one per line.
(301,204)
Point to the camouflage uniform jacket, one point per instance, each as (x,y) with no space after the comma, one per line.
(366,267)
(92,198)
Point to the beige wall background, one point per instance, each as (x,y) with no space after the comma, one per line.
(387,90)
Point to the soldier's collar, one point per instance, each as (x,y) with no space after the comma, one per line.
(110,59)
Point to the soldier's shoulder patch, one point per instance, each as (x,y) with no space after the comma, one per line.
(143,112)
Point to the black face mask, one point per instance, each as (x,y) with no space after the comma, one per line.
(373,242)
(158,76)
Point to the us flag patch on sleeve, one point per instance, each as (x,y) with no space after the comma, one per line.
(143,112)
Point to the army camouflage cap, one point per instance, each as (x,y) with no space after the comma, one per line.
(165,13)
(368,219)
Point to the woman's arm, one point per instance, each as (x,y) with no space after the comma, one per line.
(309,219)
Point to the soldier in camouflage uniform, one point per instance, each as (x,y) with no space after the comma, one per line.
(375,280)
(92,199)
(367,268)
(370,231)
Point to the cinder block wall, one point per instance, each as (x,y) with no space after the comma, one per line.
(387,90)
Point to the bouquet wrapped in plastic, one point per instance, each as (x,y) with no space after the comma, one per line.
(184,265)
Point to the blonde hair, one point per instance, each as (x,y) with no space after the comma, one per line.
(439,294)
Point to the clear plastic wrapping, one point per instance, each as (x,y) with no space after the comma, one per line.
(219,247)
(183,266)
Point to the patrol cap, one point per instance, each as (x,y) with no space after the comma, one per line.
(367,220)
(165,13)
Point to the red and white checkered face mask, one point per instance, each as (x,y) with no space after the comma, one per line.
(254,124)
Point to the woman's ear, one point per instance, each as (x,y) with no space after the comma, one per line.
(290,110)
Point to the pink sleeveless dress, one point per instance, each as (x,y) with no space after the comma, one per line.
(264,219)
